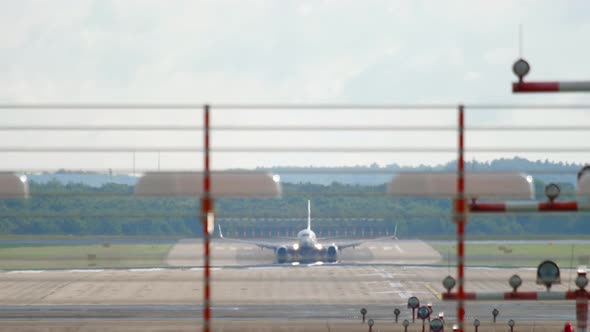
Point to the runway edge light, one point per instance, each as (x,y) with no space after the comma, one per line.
(548,274)
(515,281)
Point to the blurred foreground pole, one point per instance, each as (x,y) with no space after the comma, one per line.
(460,219)
(206,214)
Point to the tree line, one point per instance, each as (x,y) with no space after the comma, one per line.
(111,209)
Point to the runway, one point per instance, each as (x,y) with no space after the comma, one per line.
(189,253)
(248,288)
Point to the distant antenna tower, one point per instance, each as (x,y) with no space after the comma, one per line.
(520,41)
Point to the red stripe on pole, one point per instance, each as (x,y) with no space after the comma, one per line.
(487,207)
(572,295)
(535,87)
(582,314)
(558,206)
(539,206)
(455,296)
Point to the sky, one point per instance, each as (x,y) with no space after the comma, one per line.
(250,52)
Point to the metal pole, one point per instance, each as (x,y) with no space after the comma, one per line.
(563,206)
(460,219)
(582,311)
(206,207)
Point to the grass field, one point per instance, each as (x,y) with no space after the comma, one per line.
(104,255)
(518,254)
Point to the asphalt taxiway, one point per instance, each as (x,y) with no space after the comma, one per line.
(247,287)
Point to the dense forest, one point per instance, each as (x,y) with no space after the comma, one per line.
(337,209)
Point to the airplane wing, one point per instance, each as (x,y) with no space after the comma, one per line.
(264,245)
(342,245)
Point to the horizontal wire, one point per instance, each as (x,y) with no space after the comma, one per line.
(321,106)
(131,195)
(393,216)
(286,149)
(281,128)
(196,106)
(281,106)
(101,128)
(441,195)
(337,170)
(222,128)
(101,214)
(100,106)
(526,128)
(526,106)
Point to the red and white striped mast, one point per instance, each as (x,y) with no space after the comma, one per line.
(207,221)
(521,68)
(544,276)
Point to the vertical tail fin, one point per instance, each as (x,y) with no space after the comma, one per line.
(308,214)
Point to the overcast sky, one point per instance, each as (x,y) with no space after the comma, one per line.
(286,51)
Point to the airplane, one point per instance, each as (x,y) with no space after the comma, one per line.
(307,248)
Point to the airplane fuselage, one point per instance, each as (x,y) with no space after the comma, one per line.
(307,239)
(307,249)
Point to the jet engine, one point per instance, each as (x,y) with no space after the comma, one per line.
(282,254)
(332,255)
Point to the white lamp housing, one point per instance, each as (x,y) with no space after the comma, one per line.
(13,186)
(223,184)
(480,184)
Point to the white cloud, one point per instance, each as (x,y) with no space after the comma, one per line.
(285,51)
(472,76)
(500,55)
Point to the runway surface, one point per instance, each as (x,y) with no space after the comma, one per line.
(248,287)
(189,253)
